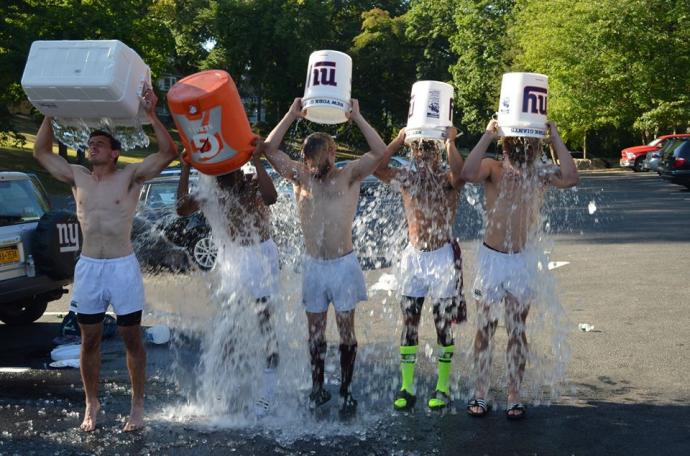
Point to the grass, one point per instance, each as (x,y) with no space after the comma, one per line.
(20,157)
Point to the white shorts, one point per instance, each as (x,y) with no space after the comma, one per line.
(340,281)
(431,274)
(255,268)
(99,283)
(501,273)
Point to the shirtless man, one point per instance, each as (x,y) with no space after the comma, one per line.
(514,189)
(431,264)
(245,200)
(326,201)
(107,272)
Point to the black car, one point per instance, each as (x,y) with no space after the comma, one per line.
(160,237)
(675,163)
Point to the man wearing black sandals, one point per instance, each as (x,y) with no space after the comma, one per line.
(506,269)
(431,264)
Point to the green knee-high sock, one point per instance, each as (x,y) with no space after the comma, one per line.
(408,358)
(444,366)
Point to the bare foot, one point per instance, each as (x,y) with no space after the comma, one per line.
(136,419)
(90,414)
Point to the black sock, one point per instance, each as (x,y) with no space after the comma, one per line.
(348,353)
(317,353)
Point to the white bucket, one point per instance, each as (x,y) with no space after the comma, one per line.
(431,111)
(327,89)
(87,80)
(522,106)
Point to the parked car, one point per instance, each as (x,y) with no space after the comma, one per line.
(160,237)
(633,157)
(653,159)
(675,164)
(38,249)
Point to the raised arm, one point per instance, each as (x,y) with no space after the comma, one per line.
(368,162)
(383,171)
(454,159)
(568,176)
(57,166)
(281,162)
(475,169)
(167,150)
(186,203)
(263,180)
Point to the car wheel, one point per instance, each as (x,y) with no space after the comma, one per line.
(22,313)
(638,165)
(204,252)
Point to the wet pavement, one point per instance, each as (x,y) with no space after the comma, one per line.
(625,273)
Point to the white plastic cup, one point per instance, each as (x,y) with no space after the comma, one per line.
(327,89)
(157,334)
(523,105)
(431,111)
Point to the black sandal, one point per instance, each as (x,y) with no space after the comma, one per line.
(518,407)
(408,398)
(481,403)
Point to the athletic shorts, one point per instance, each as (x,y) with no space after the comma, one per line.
(501,273)
(436,274)
(339,281)
(99,283)
(255,268)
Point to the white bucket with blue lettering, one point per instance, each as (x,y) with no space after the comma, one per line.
(522,106)
(327,89)
(431,111)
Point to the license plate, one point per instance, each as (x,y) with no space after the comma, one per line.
(9,254)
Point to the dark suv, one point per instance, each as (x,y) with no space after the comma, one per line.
(38,249)
(675,163)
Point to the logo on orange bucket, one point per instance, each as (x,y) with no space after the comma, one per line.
(206,140)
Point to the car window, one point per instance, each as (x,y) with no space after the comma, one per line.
(682,150)
(162,194)
(20,202)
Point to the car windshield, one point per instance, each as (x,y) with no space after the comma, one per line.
(20,202)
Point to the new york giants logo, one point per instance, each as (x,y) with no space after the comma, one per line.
(68,237)
(323,73)
(533,101)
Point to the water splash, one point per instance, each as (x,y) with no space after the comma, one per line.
(74,133)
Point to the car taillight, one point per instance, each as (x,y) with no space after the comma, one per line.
(678,162)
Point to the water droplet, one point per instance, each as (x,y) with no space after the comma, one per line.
(592,207)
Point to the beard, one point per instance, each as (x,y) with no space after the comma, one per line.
(321,170)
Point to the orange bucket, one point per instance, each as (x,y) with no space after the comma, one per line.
(210,118)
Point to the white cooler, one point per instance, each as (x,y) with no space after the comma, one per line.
(86,80)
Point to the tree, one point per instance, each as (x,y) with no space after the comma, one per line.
(384,69)
(133,22)
(483,55)
(608,61)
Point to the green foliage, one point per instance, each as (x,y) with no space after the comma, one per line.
(481,46)
(613,65)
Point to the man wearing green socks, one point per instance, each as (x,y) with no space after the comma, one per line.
(431,264)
